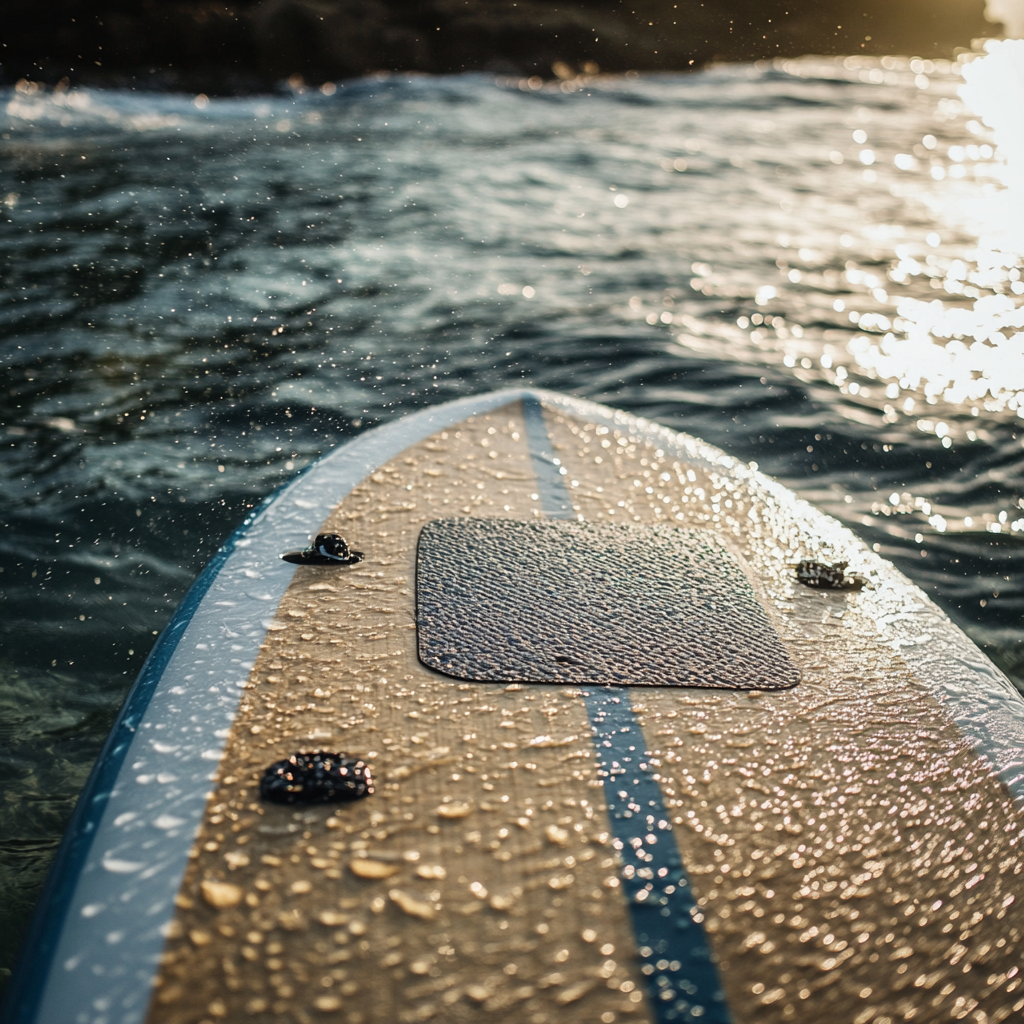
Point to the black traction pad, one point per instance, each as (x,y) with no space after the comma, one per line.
(502,600)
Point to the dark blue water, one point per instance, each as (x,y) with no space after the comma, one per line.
(804,263)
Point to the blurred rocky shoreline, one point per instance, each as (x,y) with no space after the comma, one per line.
(231,46)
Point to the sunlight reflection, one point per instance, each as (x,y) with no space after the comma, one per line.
(967,349)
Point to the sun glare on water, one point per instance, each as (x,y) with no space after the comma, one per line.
(964,349)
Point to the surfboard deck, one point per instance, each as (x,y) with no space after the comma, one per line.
(843,846)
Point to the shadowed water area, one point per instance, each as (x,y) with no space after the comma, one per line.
(805,263)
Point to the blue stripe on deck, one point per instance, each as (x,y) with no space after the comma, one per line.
(682,978)
(555,500)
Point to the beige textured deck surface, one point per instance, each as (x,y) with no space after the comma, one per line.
(854,861)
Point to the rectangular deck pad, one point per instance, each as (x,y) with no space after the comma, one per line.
(502,600)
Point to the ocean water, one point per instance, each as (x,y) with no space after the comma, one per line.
(815,264)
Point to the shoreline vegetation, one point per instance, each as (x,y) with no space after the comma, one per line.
(241,46)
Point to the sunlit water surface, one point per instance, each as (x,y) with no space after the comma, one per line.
(813,264)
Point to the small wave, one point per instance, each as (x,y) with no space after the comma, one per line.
(29,105)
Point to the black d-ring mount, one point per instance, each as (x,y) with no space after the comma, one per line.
(326,549)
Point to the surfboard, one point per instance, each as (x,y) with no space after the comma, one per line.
(614,760)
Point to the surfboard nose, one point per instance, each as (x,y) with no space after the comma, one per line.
(567,821)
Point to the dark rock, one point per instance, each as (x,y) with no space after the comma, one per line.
(340,39)
(316,778)
(237,45)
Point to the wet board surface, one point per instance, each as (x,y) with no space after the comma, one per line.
(846,847)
